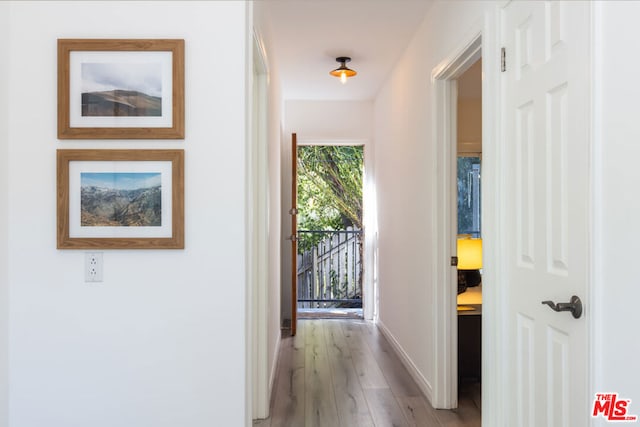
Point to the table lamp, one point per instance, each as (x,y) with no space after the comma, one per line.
(469,262)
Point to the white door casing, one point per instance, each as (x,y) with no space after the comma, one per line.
(257,251)
(443,391)
(546,122)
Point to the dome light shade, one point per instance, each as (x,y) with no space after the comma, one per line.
(343,72)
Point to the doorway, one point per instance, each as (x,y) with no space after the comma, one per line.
(328,262)
(445,81)
(468,219)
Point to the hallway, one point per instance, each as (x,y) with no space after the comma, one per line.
(343,372)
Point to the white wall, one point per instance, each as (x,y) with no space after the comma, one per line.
(329,120)
(618,204)
(469,126)
(161,342)
(317,121)
(4,207)
(405,170)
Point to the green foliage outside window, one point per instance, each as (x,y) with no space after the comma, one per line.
(329,189)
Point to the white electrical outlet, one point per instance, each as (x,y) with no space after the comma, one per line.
(93,266)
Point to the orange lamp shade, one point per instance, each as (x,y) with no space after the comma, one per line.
(469,254)
(343,72)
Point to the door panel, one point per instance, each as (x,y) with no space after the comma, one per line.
(546,124)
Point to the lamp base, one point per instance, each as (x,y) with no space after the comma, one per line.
(468,279)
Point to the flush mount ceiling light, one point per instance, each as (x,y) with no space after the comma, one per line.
(343,72)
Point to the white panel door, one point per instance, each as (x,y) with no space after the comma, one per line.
(546,128)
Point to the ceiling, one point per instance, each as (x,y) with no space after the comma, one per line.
(307,35)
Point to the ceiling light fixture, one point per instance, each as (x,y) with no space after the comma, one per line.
(343,71)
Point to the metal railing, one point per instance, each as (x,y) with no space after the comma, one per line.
(330,268)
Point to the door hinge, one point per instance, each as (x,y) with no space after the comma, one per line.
(293,211)
(503,59)
(454,261)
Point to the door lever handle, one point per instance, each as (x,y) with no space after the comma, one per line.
(574,306)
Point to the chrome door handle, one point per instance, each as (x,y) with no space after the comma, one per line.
(574,306)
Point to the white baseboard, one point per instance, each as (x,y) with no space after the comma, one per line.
(415,373)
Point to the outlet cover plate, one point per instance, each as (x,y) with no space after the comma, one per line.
(93,266)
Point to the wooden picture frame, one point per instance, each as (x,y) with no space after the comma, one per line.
(120,89)
(120,199)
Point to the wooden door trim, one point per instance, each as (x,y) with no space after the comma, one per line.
(294,233)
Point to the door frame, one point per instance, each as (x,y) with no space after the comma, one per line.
(482,41)
(259,380)
(444,80)
(369,286)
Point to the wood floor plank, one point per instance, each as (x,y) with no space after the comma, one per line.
(418,412)
(320,401)
(396,375)
(461,417)
(298,346)
(353,334)
(364,361)
(350,401)
(318,385)
(384,408)
(262,423)
(287,405)
(367,369)
(466,415)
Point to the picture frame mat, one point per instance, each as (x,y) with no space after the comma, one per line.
(77,58)
(76,168)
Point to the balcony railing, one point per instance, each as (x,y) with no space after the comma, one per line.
(330,268)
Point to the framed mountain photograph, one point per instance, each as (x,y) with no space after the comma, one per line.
(120,88)
(120,199)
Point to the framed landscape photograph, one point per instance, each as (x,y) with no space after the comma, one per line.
(120,199)
(120,89)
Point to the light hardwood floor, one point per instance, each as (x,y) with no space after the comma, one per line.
(344,373)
